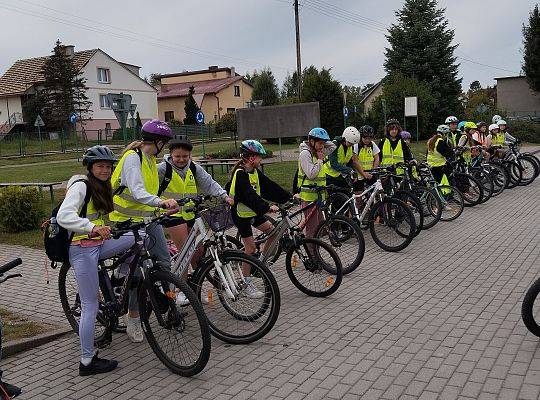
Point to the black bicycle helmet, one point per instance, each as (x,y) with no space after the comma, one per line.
(98,153)
(392,121)
(367,131)
(180,141)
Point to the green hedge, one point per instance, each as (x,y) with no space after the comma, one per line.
(21,208)
(525,130)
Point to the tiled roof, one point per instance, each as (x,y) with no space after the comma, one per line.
(201,87)
(25,73)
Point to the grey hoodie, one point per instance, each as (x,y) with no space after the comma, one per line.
(205,183)
(310,168)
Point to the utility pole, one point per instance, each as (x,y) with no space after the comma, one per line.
(298,60)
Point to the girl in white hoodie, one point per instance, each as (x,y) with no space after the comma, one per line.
(91,243)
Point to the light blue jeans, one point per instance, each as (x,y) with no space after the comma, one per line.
(84,261)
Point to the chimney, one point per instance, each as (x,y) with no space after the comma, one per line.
(69,50)
(233,72)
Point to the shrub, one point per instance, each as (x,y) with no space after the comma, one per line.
(21,208)
(131,134)
(525,130)
(231,152)
(227,123)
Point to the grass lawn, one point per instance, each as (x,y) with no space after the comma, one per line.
(17,327)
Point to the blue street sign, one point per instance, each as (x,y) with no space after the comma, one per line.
(345,112)
(73,117)
(199,117)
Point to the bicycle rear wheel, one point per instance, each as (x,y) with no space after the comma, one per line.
(528,170)
(498,176)
(530,309)
(487,183)
(431,205)
(415,206)
(178,335)
(346,238)
(336,205)
(242,319)
(514,173)
(391,224)
(470,188)
(451,201)
(314,267)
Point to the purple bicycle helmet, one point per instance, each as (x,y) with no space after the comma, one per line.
(156,130)
(405,135)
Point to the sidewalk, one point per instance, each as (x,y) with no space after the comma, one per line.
(440,320)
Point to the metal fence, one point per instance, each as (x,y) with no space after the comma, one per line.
(22,144)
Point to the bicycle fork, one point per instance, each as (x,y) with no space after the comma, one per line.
(225,275)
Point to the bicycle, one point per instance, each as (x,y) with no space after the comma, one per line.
(385,214)
(527,163)
(468,185)
(476,170)
(530,309)
(219,279)
(8,391)
(163,321)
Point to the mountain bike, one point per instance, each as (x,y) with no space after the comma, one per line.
(163,321)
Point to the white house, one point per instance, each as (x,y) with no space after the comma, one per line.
(103,75)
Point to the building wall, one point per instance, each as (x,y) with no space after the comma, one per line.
(227,99)
(195,77)
(121,80)
(368,103)
(515,97)
(13,103)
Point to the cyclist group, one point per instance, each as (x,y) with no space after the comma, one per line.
(131,187)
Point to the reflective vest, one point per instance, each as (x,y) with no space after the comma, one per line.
(453,138)
(392,157)
(95,217)
(344,155)
(178,189)
(498,139)
(125,206)
(366,158)
(467,154)
(242,210)
(308,194)
(434,158)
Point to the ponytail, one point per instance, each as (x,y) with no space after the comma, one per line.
(432,141)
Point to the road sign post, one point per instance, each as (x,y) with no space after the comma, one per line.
(73,119)
(121,105)
(38,124)
(411,110)
(199,117)
(345,115)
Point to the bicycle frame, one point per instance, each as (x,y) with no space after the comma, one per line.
(376,189)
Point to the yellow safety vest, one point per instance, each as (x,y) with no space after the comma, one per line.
(453,138)
(467,156)
(242,210)
(343,158)
(125,206)
(95,217)
(309,194)
(366,157)
(498,139)
(178,189)
(392,157)
(434,158)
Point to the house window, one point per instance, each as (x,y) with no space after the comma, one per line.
(169,116)
(104,101)
(231,110)
(103,75)
(237,91)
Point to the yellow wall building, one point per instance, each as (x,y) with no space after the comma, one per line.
(217,91)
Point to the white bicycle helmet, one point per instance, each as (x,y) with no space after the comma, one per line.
(501,122)
(496,118)
(493,126)
(351,135)
(450,119)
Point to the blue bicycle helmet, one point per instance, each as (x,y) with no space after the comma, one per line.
(319,134)
(252,147)
(461,126)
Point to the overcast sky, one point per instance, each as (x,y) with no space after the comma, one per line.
(171,36)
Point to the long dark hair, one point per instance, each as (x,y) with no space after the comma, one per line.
(101,194)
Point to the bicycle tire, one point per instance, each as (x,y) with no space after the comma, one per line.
(402,214)
(528,170)
(527,309)
(216,310)
(336,200)
(431,205)
(473,191)
(343,230)
(314,264)
(499,176)
(72,309)
(487,183)
(160,281)
(535,160)
(514,173)
(415,206)
(452,202)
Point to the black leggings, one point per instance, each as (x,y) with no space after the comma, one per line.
(438,172)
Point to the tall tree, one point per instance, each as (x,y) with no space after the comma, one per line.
(421,48)
(64,90)
(190,108)
(320,86)
(289,90)
(531,53)
(474,86)
(154,79)
(265,87)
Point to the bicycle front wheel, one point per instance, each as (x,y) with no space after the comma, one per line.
(470,188)
(431,205)
(415,206)
(391,224)
(451,201)
(346,238)
(528,170)
(530,309)
(314,267)
(178,334)
(252,310)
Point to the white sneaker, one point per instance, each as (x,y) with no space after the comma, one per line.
(134,329)
(251,290)
(181,299)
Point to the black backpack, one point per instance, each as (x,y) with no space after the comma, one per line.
(56,238)
(168,176)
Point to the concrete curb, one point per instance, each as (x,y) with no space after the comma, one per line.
(17,346)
